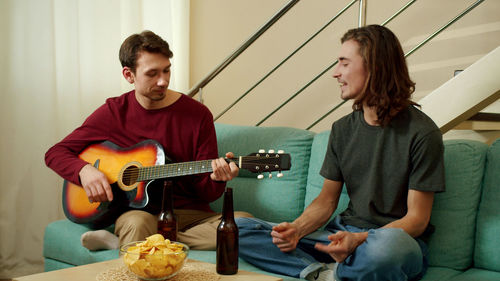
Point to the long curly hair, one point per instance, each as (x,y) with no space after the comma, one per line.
(388,88)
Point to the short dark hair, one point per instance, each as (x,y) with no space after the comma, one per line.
(389,87)
(145,41)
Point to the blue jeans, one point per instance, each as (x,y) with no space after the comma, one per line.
(387,253)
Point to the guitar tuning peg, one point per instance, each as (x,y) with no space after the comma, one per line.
(262,151)
(270,175)
(271,151)
(279,175)
(260,176)
(281,151)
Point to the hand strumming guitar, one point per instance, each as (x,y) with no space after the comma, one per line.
(95,184)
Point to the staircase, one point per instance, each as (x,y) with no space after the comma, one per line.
(301,93)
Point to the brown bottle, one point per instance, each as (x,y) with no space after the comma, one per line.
(167,221)
(227,238)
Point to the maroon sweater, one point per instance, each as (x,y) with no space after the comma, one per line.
(185,129)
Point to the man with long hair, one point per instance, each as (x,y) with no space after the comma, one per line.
(388,154)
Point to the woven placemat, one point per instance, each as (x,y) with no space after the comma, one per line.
(190,272)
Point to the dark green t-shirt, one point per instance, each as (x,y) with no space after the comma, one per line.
(380,164)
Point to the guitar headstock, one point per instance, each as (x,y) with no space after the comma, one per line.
(270,161)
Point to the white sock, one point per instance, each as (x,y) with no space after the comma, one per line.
(99,240)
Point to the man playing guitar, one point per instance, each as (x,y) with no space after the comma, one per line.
(181,125)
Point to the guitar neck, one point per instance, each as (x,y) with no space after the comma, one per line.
(177,169)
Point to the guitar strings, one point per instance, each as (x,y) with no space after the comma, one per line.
(159,170)
(197,163)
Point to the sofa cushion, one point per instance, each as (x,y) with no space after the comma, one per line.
(440,273)
(475,274)
(62,243)
(314,179)
(51,264)
(276,199)
(454,211)
(487,252)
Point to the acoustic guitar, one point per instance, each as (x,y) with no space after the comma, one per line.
(132,172)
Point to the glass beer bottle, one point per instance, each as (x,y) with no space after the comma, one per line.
(227,238)
(167,222)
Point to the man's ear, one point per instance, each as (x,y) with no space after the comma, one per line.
(128,74)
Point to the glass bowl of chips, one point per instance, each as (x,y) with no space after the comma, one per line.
(155,258)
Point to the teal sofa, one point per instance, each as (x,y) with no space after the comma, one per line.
(464,246)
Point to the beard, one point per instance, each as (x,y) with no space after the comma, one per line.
(157,95)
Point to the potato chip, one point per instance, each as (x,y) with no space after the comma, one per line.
(155,257)
(155,239)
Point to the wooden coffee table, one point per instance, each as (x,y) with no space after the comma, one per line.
(90,271)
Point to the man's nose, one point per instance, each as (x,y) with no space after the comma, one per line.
(335,73)
(163,81)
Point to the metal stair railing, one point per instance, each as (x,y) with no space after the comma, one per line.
(199,86)
(361,21)
(286,59)
(418,46)
(288,6)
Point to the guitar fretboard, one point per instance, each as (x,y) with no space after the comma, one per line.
(174,170)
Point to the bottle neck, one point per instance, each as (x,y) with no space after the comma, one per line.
(167,201)
(227,209)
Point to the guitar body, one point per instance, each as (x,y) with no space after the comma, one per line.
(110,159)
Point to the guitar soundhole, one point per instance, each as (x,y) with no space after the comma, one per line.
(130,175)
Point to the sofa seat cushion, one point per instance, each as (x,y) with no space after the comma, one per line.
(440,273)
(487,251)
(62,243)
(276,199)
(51,264)
(455,210)
(475,274)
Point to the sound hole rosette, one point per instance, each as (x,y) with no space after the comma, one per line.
(127,178)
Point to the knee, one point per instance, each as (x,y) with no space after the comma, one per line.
(132,221)
(252,224)
(244,222)
(391,247)
(241,214)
